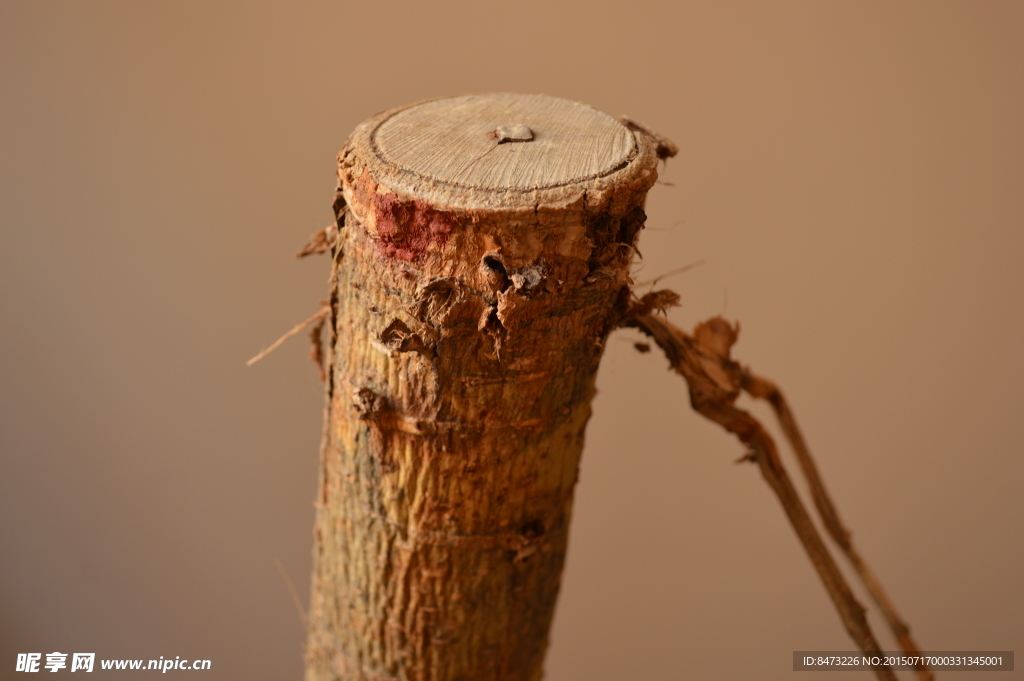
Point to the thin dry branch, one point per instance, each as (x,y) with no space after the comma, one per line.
(715,381)
(672,273)
(298,327)
(294,594)
(759,387)
(321,242)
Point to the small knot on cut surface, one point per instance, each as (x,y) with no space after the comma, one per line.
(513,133)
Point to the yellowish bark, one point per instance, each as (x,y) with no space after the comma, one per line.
(480,261)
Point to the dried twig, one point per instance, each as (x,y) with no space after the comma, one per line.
(715,381)
(316,344)
(680,270)
(298,327)
(294,594)
(762,388)
(321,242)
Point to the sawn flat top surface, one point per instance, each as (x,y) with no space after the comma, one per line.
(504,141)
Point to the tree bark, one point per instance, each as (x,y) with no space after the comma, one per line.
(480,260)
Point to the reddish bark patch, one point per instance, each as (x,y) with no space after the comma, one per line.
(407,230)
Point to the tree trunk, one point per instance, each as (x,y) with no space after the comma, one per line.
(480,261)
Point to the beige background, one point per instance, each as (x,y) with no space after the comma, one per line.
(852,174)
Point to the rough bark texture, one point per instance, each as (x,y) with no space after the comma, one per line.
(475,280)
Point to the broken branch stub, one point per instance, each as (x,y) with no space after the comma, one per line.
(480,261)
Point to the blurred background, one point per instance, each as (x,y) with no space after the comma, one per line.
(851,174)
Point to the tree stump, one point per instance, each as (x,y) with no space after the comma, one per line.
(480,260)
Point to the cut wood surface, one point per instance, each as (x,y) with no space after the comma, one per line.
(456,141)
(480,259)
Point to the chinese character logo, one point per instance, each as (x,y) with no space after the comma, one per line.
(82,662)
(55,661)
(28,662)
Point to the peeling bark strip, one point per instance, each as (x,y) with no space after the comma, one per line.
(475,282)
